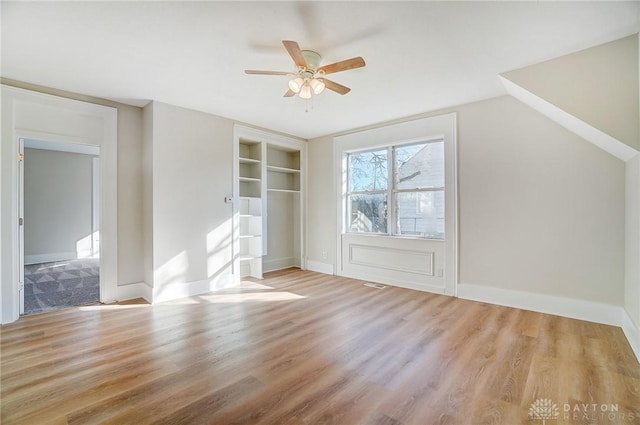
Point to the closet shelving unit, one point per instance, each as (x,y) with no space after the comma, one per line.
(268,186)
(250,178)
(283,169)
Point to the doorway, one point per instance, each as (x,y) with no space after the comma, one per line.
(60,232)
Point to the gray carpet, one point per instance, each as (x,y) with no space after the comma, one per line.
(52,286)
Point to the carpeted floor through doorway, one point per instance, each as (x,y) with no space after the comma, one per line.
(52,286)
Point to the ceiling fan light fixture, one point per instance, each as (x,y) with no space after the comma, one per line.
(305,91)
(296,84)
(317,85)
(308,78)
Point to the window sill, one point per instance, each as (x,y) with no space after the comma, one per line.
(386,236)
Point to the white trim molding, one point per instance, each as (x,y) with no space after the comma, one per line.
(423,264)
(590,311)
(632,332)
(604,141)
(62,147)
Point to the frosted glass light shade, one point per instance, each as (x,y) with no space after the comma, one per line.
(317,86)
(296,84)
(305,91)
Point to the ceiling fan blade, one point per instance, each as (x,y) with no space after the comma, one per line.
(338,88)
(254,72)
(295,53)
(289,93)
(343,65)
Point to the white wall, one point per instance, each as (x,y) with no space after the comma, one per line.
(57,204)
(283,220)
(192,159)
(321,206)
(540,209)
(632,240)
(130,246)
(631,321)
(598,85)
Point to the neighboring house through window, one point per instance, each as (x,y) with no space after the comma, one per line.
(397,190)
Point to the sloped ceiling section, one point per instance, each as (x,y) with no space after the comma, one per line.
(593,92)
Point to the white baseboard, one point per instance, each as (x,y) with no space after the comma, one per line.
(134,290)
(320,267)
(279,264)
(410,285)
(424,287)
(177,290)
(49,258)
(632,332)
(590,311)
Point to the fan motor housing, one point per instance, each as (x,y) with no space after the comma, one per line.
(312,58)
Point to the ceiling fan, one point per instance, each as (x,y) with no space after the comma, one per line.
(309,77)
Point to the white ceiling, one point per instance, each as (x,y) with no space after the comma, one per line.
(420,56)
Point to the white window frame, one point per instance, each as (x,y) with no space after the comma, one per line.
(428,128)
(391,191)
(349,193)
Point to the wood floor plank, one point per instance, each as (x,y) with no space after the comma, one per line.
(302,348)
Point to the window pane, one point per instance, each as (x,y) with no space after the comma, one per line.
(368,171)
(420,214)
(368,213)
(420,166)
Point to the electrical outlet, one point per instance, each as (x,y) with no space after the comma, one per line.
(324,254)
(440,273)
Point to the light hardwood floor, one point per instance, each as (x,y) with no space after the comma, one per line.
(305,348)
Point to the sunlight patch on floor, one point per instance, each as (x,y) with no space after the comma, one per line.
(250,297)
(247,284)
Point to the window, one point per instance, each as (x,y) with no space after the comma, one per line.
(397,190)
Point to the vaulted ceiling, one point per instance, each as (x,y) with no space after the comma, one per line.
(420,56)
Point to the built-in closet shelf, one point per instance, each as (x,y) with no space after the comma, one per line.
(282,169)
(269,179)
(283,190)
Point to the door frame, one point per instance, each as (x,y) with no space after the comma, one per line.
(21,223)
(96,194)
(37,115)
